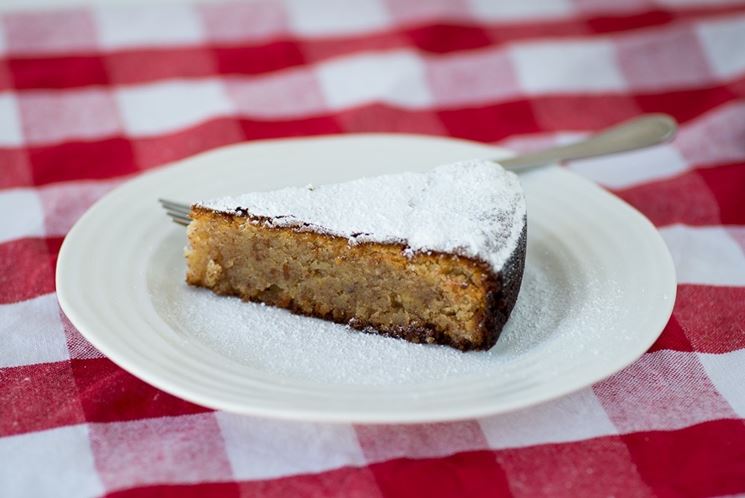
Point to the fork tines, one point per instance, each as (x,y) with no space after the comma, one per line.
(178,212)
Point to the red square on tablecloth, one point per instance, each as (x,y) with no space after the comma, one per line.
(317,51)
(15,168)
(38,397)
(257,129)
(57,72)
(27,268)
(582,111)
(443,38)
(6,82)
(108,393)
(684,104)
(475,474)
(255,59)
(702,460)
(504,119)
(383,118)
(196,490)
(727,183)
(712,317)
(595,467)
(164,148)
(129,67)
(672,337)
(682,199)
(67,161)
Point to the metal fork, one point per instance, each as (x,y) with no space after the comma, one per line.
(178,212)
(637,133)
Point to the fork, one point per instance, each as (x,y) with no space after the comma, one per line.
(637,133)
(178,212)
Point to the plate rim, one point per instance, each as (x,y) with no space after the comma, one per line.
(320,415)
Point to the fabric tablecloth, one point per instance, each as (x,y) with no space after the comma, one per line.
(90,97)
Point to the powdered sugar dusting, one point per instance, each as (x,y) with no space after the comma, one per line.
(472,208)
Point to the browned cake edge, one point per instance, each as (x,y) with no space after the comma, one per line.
(501,300)
(501,294)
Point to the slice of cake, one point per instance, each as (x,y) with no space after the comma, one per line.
(432,257)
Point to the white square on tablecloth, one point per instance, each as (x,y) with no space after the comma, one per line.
(238,22)
(56,462)
(49,32)
(574,417)
(32,332)
(395,77)
(171,105)
(413,12)
(260,448)
(3,37)
(723,41)
(336,17)
(291,93)
(174,450)
(56,116)
(65,202)
(10,121)
(148,24)
(27,218)
(632,168)
(567,66)
(662,390)
(610,7)
(496,10)
(728,376)
(705,255)
(474,77)
(382,442)
(715,137)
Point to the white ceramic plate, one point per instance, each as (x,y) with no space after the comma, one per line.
(599,288)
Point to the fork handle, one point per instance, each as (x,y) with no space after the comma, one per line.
(637,133)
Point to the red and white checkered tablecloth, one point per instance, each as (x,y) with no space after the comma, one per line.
(90,97)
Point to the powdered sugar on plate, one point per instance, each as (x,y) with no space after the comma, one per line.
(277,342)
(472,208)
